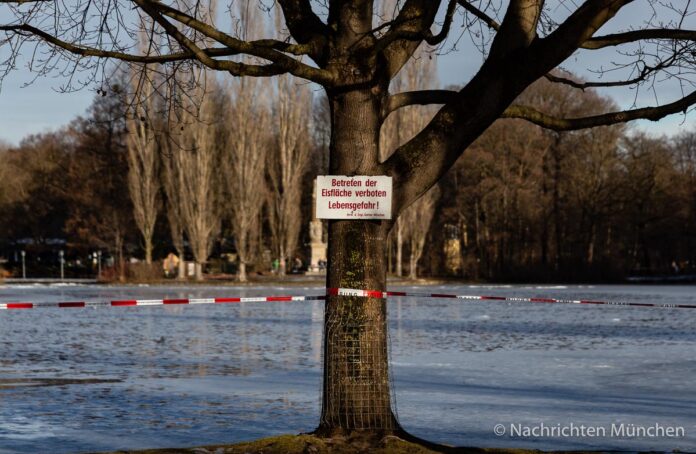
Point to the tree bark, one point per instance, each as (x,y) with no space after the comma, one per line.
(199,271)
(241,272)
(148,250)
(356,388)
(413,266)
(399,249)
(356,391)
(182,266)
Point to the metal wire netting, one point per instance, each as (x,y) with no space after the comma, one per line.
(357,381)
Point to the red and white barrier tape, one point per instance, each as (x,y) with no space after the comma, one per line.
(380,294)
(162,302)
(329,292)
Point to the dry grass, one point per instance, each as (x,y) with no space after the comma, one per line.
(310,444)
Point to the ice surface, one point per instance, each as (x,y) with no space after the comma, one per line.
(192,375)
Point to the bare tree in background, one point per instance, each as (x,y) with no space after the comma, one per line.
(247,142)
(400,127)
(417,220)
(170,183)
(196,157)
(684,151)
(354,56)
(391,136)
(287,164)
(143,162)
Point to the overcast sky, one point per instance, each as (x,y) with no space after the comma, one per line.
(42,107)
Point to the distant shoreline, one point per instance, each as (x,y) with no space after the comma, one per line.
(302,280)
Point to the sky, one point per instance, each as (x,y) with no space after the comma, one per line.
(40,106)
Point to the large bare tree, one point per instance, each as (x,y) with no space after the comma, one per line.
(287,164)
(170,184)
(247,144)
(354,56)
(246,147)
(195,154)
(417,219)
(143,161)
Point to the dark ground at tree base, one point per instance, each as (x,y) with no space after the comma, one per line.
(310,444)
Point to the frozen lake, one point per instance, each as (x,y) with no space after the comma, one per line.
(143,377)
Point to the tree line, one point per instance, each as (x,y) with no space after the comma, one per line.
(231,173)
(225,171)
(600,204)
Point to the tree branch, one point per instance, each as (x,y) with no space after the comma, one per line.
(266,49)
(427,35)
(616,39)
(421,97)
(86,51)
(489,21)
(644,74)
(518,29)
(575,30)
(570,124)
(417,36)
(584,85)
(407,32)
(305,27)
(434,40)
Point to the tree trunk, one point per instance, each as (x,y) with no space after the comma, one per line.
(399,249)
(282,263)
(121,260)
(356,391)
(591,244)
(148,251)
(241,272)
(182,267)
(413,266)
(356,388)
(556,194)
(283,266)
(199,271)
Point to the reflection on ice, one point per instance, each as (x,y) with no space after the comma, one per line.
(183,375)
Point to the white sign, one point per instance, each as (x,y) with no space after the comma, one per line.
(357,197)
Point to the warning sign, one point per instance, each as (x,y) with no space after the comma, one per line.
(357,197)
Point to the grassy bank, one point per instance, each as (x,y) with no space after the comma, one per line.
(309,444)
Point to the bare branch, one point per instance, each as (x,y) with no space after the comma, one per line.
(408,30)
(576,30)
(489,21)
(518,29)
(265,49)
(305,27)
(424,35)
(584,85)
(434,40)
(643,75)
(427,35)
(182,39)
(421,97)
(234,68)
(599,42)
(570,124)
(86,51)
(271,50)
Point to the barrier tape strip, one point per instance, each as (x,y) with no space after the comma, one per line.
(380,294)
(161,302)
(329,292)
